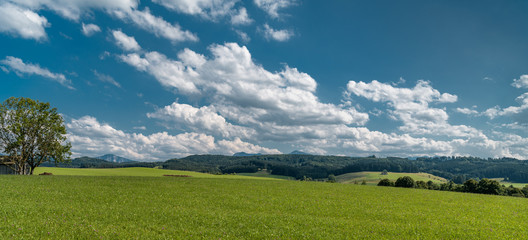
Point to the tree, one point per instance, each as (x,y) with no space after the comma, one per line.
(32,133)
(332,178)
(404,181)
(471,186)
(488,186)
(386,182)
(421,185)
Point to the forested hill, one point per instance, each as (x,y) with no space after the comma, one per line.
(316,166)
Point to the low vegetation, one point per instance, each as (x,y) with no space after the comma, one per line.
(372,178)
(136,172)
(484,186)
(124,207)
(457,169)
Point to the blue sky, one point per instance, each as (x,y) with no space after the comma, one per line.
(159,79)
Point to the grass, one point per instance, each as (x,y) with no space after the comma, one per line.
(372,178)
(136,171)
(242,207)
(85,207)
(265,174)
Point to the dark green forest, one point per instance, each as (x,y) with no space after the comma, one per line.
(457,169)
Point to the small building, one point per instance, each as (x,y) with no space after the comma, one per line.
(5,165)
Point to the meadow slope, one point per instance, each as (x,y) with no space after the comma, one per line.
(87,207)
(372,178)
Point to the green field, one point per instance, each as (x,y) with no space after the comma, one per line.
(125,207)
(138,172)
(372,178)
(265,174)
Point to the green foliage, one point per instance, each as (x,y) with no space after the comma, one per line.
(421,185)
(332,178)
(139,172)
(488,186)
(32,133)
(406,182)
(484,186)
(200,208)
(471,185)
(319,167)
(386,182)
(373,178)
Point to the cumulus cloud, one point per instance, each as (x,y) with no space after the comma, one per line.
(522,82)
(22,22)
(207,9)
(242,90)
(204,119)
(412,107)
(277,35)
(241,17)
(156,25)
(20,17)
(272,7)
(89,137)
(125,42)
(21,68)
(467,111)
(74,9)
(244,37)
(517,112)
(90,29)
(243,102)
(106,78)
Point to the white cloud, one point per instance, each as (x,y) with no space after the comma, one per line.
(89,137)
(244,37)
(204,119)
(272,7)
(467,111)
(90,29)
(169,73)
(74,9)
(21,68)
(22,23)
(156,25)
(207,9)
(411,106)
(513,111)
(241,17)
(522,82)
(125,42)
(106,78)
(125,10)
(277,35)
(243,102)
(243,91)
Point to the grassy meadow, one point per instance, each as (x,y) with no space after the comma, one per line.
(225,207)
(138,172)
(372,178)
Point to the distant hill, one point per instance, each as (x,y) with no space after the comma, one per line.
(297,152)
(115,159)
(244,154)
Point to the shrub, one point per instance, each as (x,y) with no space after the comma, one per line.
(386,182)
(405,181)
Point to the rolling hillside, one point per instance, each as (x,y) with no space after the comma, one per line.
(372,178)
(123,207)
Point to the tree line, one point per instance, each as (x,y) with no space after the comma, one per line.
(457,169)
(484,186)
